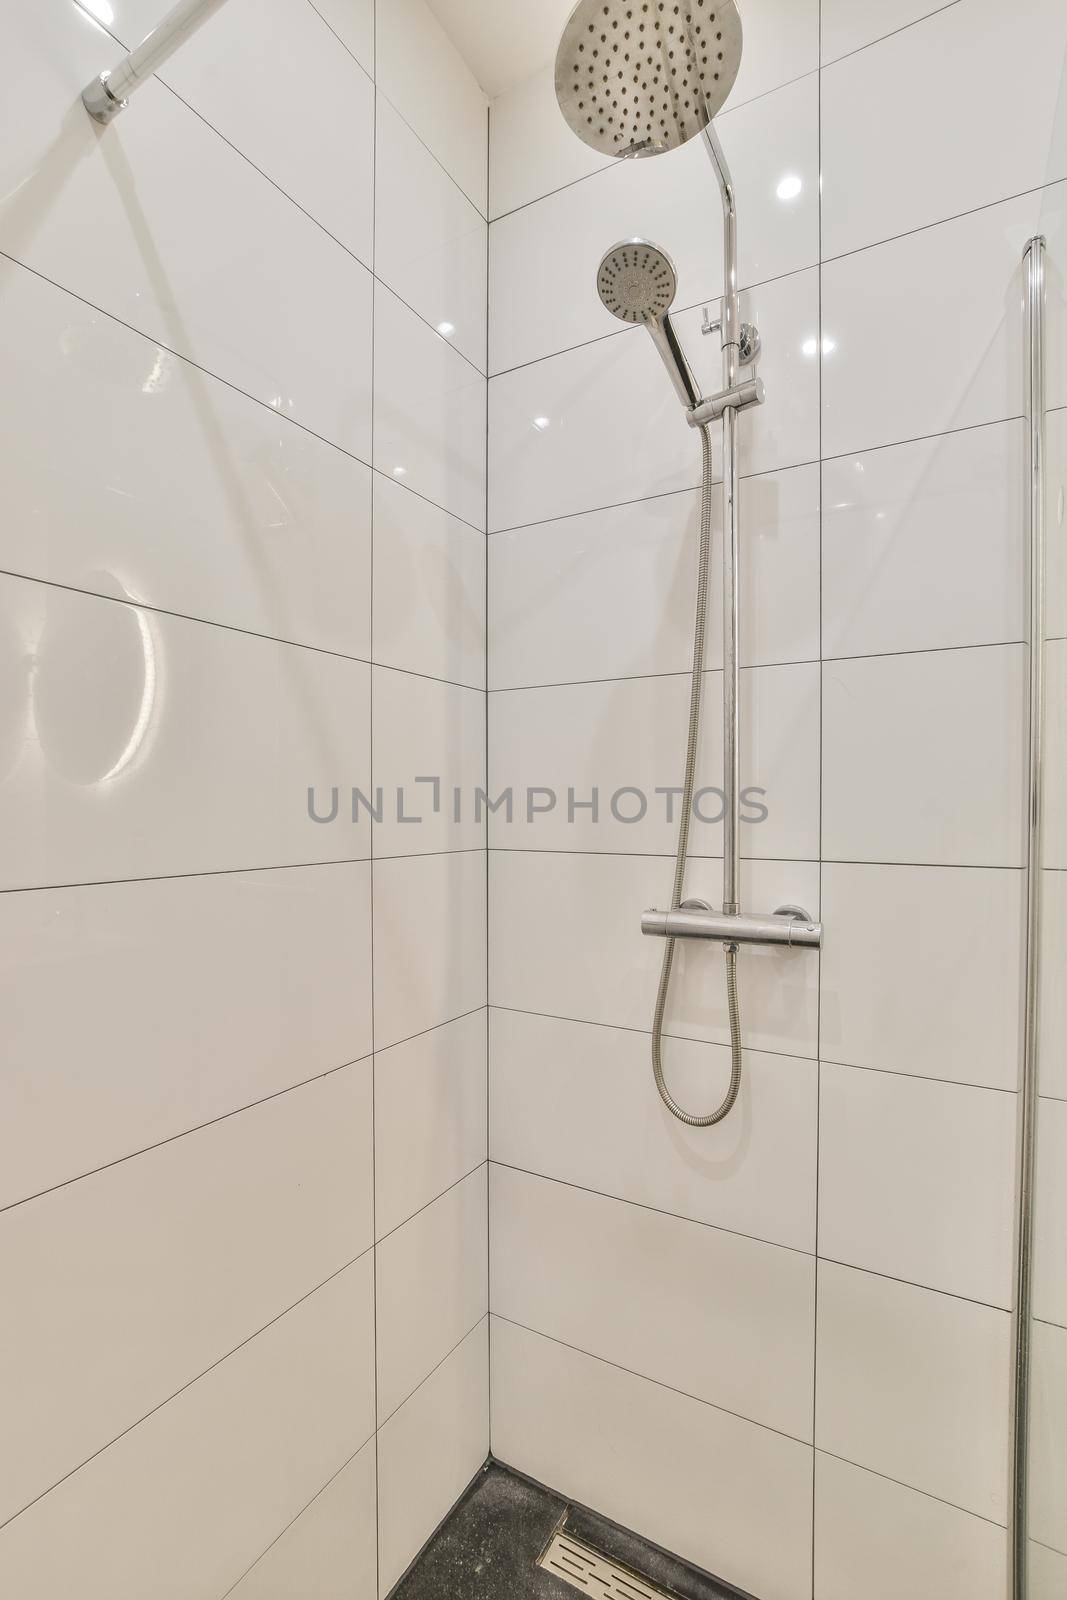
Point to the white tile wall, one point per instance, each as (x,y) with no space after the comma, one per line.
(953,63)
(429,588)
(210,598)
(916,1180)
(913,1385)
(430,1098)
(753,1173)
(880,1539)
(609,594)
(719,1317)
(1048,1454)
(330,1550)
(898,367)
(907,775)
(430,730)
(236,1455)
(431,1288)
(279,963)
(429,1451)
(925,1005)
(720,1491)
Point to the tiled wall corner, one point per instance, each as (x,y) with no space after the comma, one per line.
(245,1073)
(883,633)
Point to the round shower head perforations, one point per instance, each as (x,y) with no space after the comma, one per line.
(637,77)
(636,281)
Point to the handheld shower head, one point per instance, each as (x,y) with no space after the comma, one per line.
(636,282)
(637,77)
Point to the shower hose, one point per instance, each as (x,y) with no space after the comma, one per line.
(699,631)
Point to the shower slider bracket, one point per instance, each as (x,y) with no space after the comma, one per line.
(694,919)
(739,397)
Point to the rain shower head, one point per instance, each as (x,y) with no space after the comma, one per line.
(636,282)
(637,77)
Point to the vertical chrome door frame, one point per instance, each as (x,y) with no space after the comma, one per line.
(1018,1530)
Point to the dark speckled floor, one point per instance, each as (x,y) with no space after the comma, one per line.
(488,1549)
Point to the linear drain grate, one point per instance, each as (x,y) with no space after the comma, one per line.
(593,1574)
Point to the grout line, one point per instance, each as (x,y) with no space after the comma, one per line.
(800,861)
(232,627)
(643,1377)
(483,217)
(180,1391)
(196,366)
(620,333)
(886,1478)
(768,472)
(348,50)
(759,666)
(422,1381)
(904,28)
(611,163)
(644,1033)
(293,1520)
(395,1044)
(388,1234)
(916,1077)
(659,1211)
(183,1133)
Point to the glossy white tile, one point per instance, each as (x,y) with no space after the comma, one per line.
(1048,1445)
(621,746)
(950,62)
(1054,852)
(1050,1226)
(429,1116)
(145,1274)
(924,546)
(139,744)
(429,942)
(532,151)
(544,258)
(609,594)
(601,425)
(429,412)
(227,72)
(429,588)
(278,962)
(880,1539)
(781,43)
(753,1173)
(420,70)
(567,942)
(916,1181)
(177,492)
(121,220)
(1047,1572)
(723,1318)
(430,242)
(847,27)
(924,1005)
(1056,524)
(352,22)
(724,1493)
(1052,1048)
(881,385)
(330,1551)
(429,743)
(432,1287)
(923,757)
(236,1456)
(914,1385)
(429,1451)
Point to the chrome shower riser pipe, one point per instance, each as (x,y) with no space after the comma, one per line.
(1019,1535)
(110,93)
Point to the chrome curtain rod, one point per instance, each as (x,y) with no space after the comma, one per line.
(110,93)
(1019,1533)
